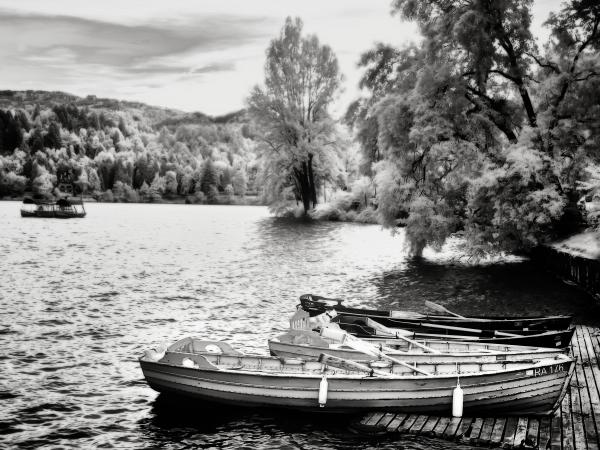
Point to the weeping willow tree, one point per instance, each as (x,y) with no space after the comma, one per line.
(300,143)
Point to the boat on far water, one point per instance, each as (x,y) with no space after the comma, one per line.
(212,371)
(63,208)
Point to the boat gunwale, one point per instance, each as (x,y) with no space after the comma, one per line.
(538,364)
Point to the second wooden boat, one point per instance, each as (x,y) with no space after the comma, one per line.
(308,344)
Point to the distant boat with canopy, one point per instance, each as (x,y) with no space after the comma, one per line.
(65,207)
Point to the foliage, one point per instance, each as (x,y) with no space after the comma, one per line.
(475,129)
(101,144)
(299,140)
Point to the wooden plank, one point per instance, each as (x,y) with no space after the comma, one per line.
(509,432)
(545,432)
(367,419)
(452,427)
(386,419)
(593,357)
(396,422)
(498,431)
(429,425)
(533,429)
(475,430)
(521,432)
(408,423)
(593,335)
(465,425)
(556,431)
(441,426)
(486,431)
(418,424)
(373,419)
(586,378)
(576,412)
(592,372)
(566,425)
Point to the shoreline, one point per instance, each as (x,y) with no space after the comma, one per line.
(249,200)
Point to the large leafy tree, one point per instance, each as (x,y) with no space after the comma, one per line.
(475,128)
(299,139)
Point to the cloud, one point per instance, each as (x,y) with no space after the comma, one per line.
(123,49)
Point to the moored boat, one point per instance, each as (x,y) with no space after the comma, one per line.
(365,327)
(210,371)
(308,344)
(316,305)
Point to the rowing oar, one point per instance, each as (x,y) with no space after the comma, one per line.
(453,328)
(399,334)
(441,309)
(347,364)
(365,347)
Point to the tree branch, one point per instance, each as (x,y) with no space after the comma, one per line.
(548,64)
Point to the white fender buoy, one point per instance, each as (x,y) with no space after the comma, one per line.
(457,400)
(323,391)
(187,362)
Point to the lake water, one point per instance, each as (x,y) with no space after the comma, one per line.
(81,299)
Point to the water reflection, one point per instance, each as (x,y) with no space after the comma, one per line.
(200,425)
(501,289)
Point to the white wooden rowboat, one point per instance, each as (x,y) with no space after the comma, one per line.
(308,344)
(189,367)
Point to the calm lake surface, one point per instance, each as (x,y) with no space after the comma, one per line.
(80,300)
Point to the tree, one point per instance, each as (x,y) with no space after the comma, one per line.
(301,79)
(52,137)
(239,182)
(157,188)
(474,129)
(208,179)
(171,182)
(11,135)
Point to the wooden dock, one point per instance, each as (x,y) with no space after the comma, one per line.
(575,425)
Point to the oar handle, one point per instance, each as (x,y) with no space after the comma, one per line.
(418,344)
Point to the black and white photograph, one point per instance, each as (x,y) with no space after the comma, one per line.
(316,224)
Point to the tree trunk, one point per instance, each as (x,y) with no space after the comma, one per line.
(305,184)
(311,182)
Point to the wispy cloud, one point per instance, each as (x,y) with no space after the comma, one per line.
(132,49)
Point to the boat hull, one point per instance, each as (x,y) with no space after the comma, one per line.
(52,214)
(386,318)
(532,390)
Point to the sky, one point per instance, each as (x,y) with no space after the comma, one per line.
(191,55)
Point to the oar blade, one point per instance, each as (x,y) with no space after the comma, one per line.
(441,309)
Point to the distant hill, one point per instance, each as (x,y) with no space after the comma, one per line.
(156,116)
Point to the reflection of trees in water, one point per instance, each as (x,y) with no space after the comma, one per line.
(299,239)
(308,256)
(501,289)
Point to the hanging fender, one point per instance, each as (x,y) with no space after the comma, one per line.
(323,386)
